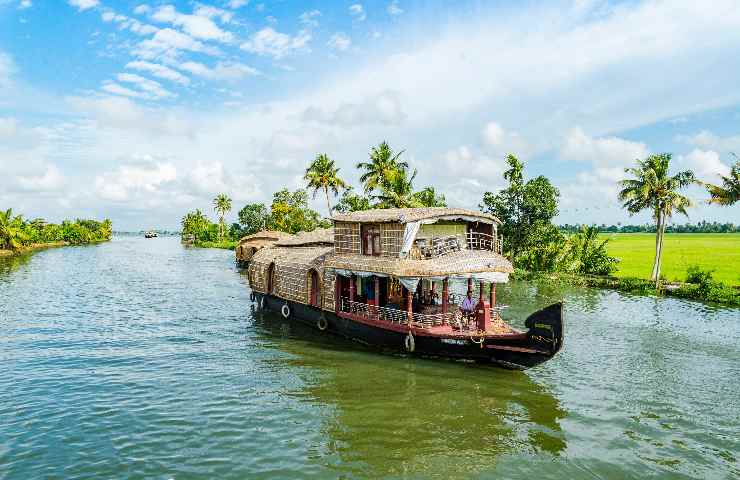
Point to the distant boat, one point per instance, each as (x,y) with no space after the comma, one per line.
(151,234)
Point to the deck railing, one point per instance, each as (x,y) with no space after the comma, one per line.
(441,246)
(399,317)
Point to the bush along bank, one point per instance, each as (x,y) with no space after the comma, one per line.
(702,288)
(18,235)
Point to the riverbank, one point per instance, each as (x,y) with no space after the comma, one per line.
(32,248)
(706,291)
(223,244)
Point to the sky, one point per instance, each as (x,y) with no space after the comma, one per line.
(139,112)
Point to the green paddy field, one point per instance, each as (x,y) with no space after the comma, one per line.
(715,251)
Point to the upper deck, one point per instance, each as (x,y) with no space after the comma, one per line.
(415,233)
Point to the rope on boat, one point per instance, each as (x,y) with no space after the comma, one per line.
(482,339)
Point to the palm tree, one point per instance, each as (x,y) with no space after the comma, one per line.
(653,189)
(11,230)
(398,191)
(729,192)
(428,197)
(378,171)
(222,205)
(322,174)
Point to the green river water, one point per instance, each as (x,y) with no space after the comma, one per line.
(143,359)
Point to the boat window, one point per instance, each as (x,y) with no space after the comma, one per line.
(370,240)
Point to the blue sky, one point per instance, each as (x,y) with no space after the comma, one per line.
(140,111)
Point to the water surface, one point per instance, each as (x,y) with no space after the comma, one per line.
(143,359)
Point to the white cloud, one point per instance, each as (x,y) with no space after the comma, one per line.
(83,4)
(7,70)
(269,42)
(160,71)
(394,9)
(198,26)
(125,22)
(151,88)
(601,152)
(8,127)
(142,9)
(119,114)
(211,178)
(51,180)
(117,89)
(705,164)
(708,140)
(310,18)
(25,4)
(382,109)
(226,71)
(357,12)
(142,178)
(210,11)
(339,41)
(111,16)
(503,142)
(167,43)
(237,3)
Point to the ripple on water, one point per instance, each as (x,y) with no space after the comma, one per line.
(144,359)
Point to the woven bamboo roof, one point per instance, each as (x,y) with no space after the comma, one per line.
(463,261)
(274,235)
(405,215)
(289,255)
(320,236)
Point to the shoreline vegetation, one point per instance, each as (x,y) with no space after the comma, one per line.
(539,249)
(18,236)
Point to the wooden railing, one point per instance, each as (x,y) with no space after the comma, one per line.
(441,246)
(399,317)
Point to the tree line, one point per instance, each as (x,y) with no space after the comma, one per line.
(17,233)
(699,227)
(526,208)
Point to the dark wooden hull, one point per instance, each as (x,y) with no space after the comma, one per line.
(539,344)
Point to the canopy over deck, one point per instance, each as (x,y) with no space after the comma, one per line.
(407,215)
(463,263)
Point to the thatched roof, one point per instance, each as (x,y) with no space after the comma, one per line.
(405,215)
(320,236)
(461,262)
(274,235)
(307,256)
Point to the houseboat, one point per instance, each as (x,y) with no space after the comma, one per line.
(419,280)
(248,245)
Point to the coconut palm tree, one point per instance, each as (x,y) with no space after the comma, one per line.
(729,192)
(323,175)
(12,235)
(398,191)
(378,171)
(222,206)
(428,197)
(652,188)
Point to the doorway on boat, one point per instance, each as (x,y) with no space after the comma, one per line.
(314,295)
(270,278)
(369,290)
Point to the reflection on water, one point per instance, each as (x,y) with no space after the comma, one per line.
(142,359)
(393,415)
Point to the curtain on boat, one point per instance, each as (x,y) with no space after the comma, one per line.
(409,235)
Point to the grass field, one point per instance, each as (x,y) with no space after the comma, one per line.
(713,251)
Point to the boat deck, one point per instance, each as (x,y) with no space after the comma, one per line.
(429,320)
